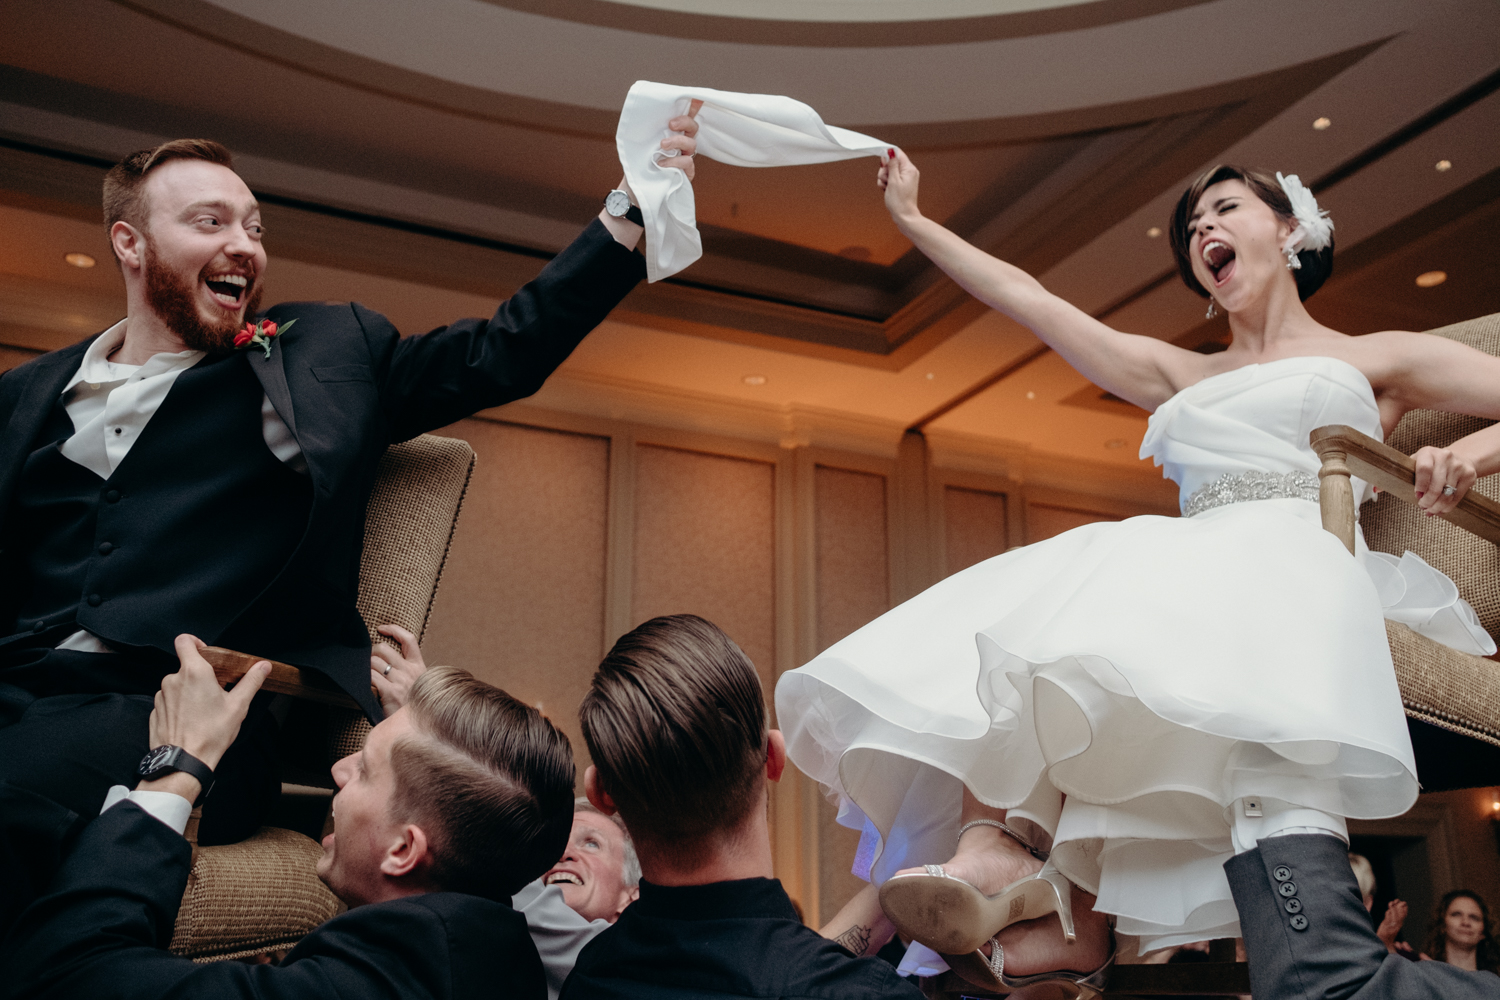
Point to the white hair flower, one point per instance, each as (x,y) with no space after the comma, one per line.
(1314,228)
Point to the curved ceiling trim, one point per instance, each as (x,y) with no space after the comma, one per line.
(210,21)
(477,44)
(797,22)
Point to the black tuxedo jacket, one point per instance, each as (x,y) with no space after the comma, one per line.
(102,928)
(348,385)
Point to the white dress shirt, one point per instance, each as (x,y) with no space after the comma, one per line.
(111,403)
(169,807)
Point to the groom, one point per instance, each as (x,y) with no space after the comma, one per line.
(198,468)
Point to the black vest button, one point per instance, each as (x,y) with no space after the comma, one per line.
(113,496)
(39,627)
(105,548)
(1299,922)
(95,600)
(1283,874)
(1294,905)
(1288,889)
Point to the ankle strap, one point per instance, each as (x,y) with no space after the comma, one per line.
(1035,851)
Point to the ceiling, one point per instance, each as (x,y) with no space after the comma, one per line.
(426,158)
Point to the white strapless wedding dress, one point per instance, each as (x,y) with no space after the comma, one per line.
(1157,671)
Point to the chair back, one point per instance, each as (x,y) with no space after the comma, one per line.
(409,525)
(1395,527)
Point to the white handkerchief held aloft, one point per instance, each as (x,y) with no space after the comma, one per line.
(746,130)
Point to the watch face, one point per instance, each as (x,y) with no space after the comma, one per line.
(158,758)
(617,203)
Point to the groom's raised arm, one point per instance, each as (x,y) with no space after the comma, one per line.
(432,380)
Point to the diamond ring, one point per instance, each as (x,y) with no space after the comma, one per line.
(1449,491)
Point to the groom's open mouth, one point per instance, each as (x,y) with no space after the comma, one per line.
(1219,256)
(228,289)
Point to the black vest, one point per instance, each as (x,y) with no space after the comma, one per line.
(195,522)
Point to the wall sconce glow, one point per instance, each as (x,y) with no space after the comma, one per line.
(931,376)
(1321,123)
(1153,232)
(1114,444)
(755,380)
(1031,395)
(1443,166)
(79,259)
(1431,279)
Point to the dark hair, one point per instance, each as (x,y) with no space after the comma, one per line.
(1317,265)
(123,200)
(675,721)
(1486,955)
(488,779)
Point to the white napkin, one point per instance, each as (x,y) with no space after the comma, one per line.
(746,130)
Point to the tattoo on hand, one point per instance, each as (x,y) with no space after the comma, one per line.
(856,939)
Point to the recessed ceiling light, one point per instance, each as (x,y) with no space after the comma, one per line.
(1031,395)
(1442,166)
(755,380)
(79,259)
(1321,123)
(1430,279)
(1154,232)
(1114,443)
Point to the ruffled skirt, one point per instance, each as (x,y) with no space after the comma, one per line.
(1156,671)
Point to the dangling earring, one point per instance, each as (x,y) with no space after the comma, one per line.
(1212,309)
(1293,262)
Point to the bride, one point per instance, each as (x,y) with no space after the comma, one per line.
(1146,698)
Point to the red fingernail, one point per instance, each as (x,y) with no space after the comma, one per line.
(1420,495)
(891,153)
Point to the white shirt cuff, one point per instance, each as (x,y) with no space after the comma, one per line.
(168,807)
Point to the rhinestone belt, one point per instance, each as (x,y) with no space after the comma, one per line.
(1239,487)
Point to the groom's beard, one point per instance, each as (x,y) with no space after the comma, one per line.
(174,299)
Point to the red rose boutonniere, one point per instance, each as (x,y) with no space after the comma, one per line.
(260,335)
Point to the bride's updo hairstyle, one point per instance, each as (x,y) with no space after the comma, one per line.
(1317,265)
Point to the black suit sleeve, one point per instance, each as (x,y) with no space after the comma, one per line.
(102,931)
(432,380)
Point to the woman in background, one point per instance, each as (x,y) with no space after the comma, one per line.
(1462,934)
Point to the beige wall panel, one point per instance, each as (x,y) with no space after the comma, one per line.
(853,567)
(973,527)
(1044,520)
(853,589)
(704,544)
(522,599)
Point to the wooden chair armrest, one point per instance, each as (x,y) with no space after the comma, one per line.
(1345,452)
(230,666)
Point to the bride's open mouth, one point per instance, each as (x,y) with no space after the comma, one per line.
(1219,256)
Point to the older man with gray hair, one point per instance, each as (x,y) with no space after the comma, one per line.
(586,891)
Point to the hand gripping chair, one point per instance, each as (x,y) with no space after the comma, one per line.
(1454,691)
(263,895)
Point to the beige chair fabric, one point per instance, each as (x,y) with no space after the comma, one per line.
(263,895)
(1440,685)
(257,896)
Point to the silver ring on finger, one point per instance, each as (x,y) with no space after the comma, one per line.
(387,671)
(1449,491)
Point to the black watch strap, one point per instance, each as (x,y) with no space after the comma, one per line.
(634,215)
(164,760)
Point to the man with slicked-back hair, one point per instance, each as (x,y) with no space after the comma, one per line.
(675,722)
(454,803)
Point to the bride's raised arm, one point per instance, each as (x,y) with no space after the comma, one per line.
(1143,370)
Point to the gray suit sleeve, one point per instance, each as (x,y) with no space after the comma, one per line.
(557,930)
(1309,937)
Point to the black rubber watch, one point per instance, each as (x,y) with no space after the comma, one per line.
(165,759)
(617,203)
